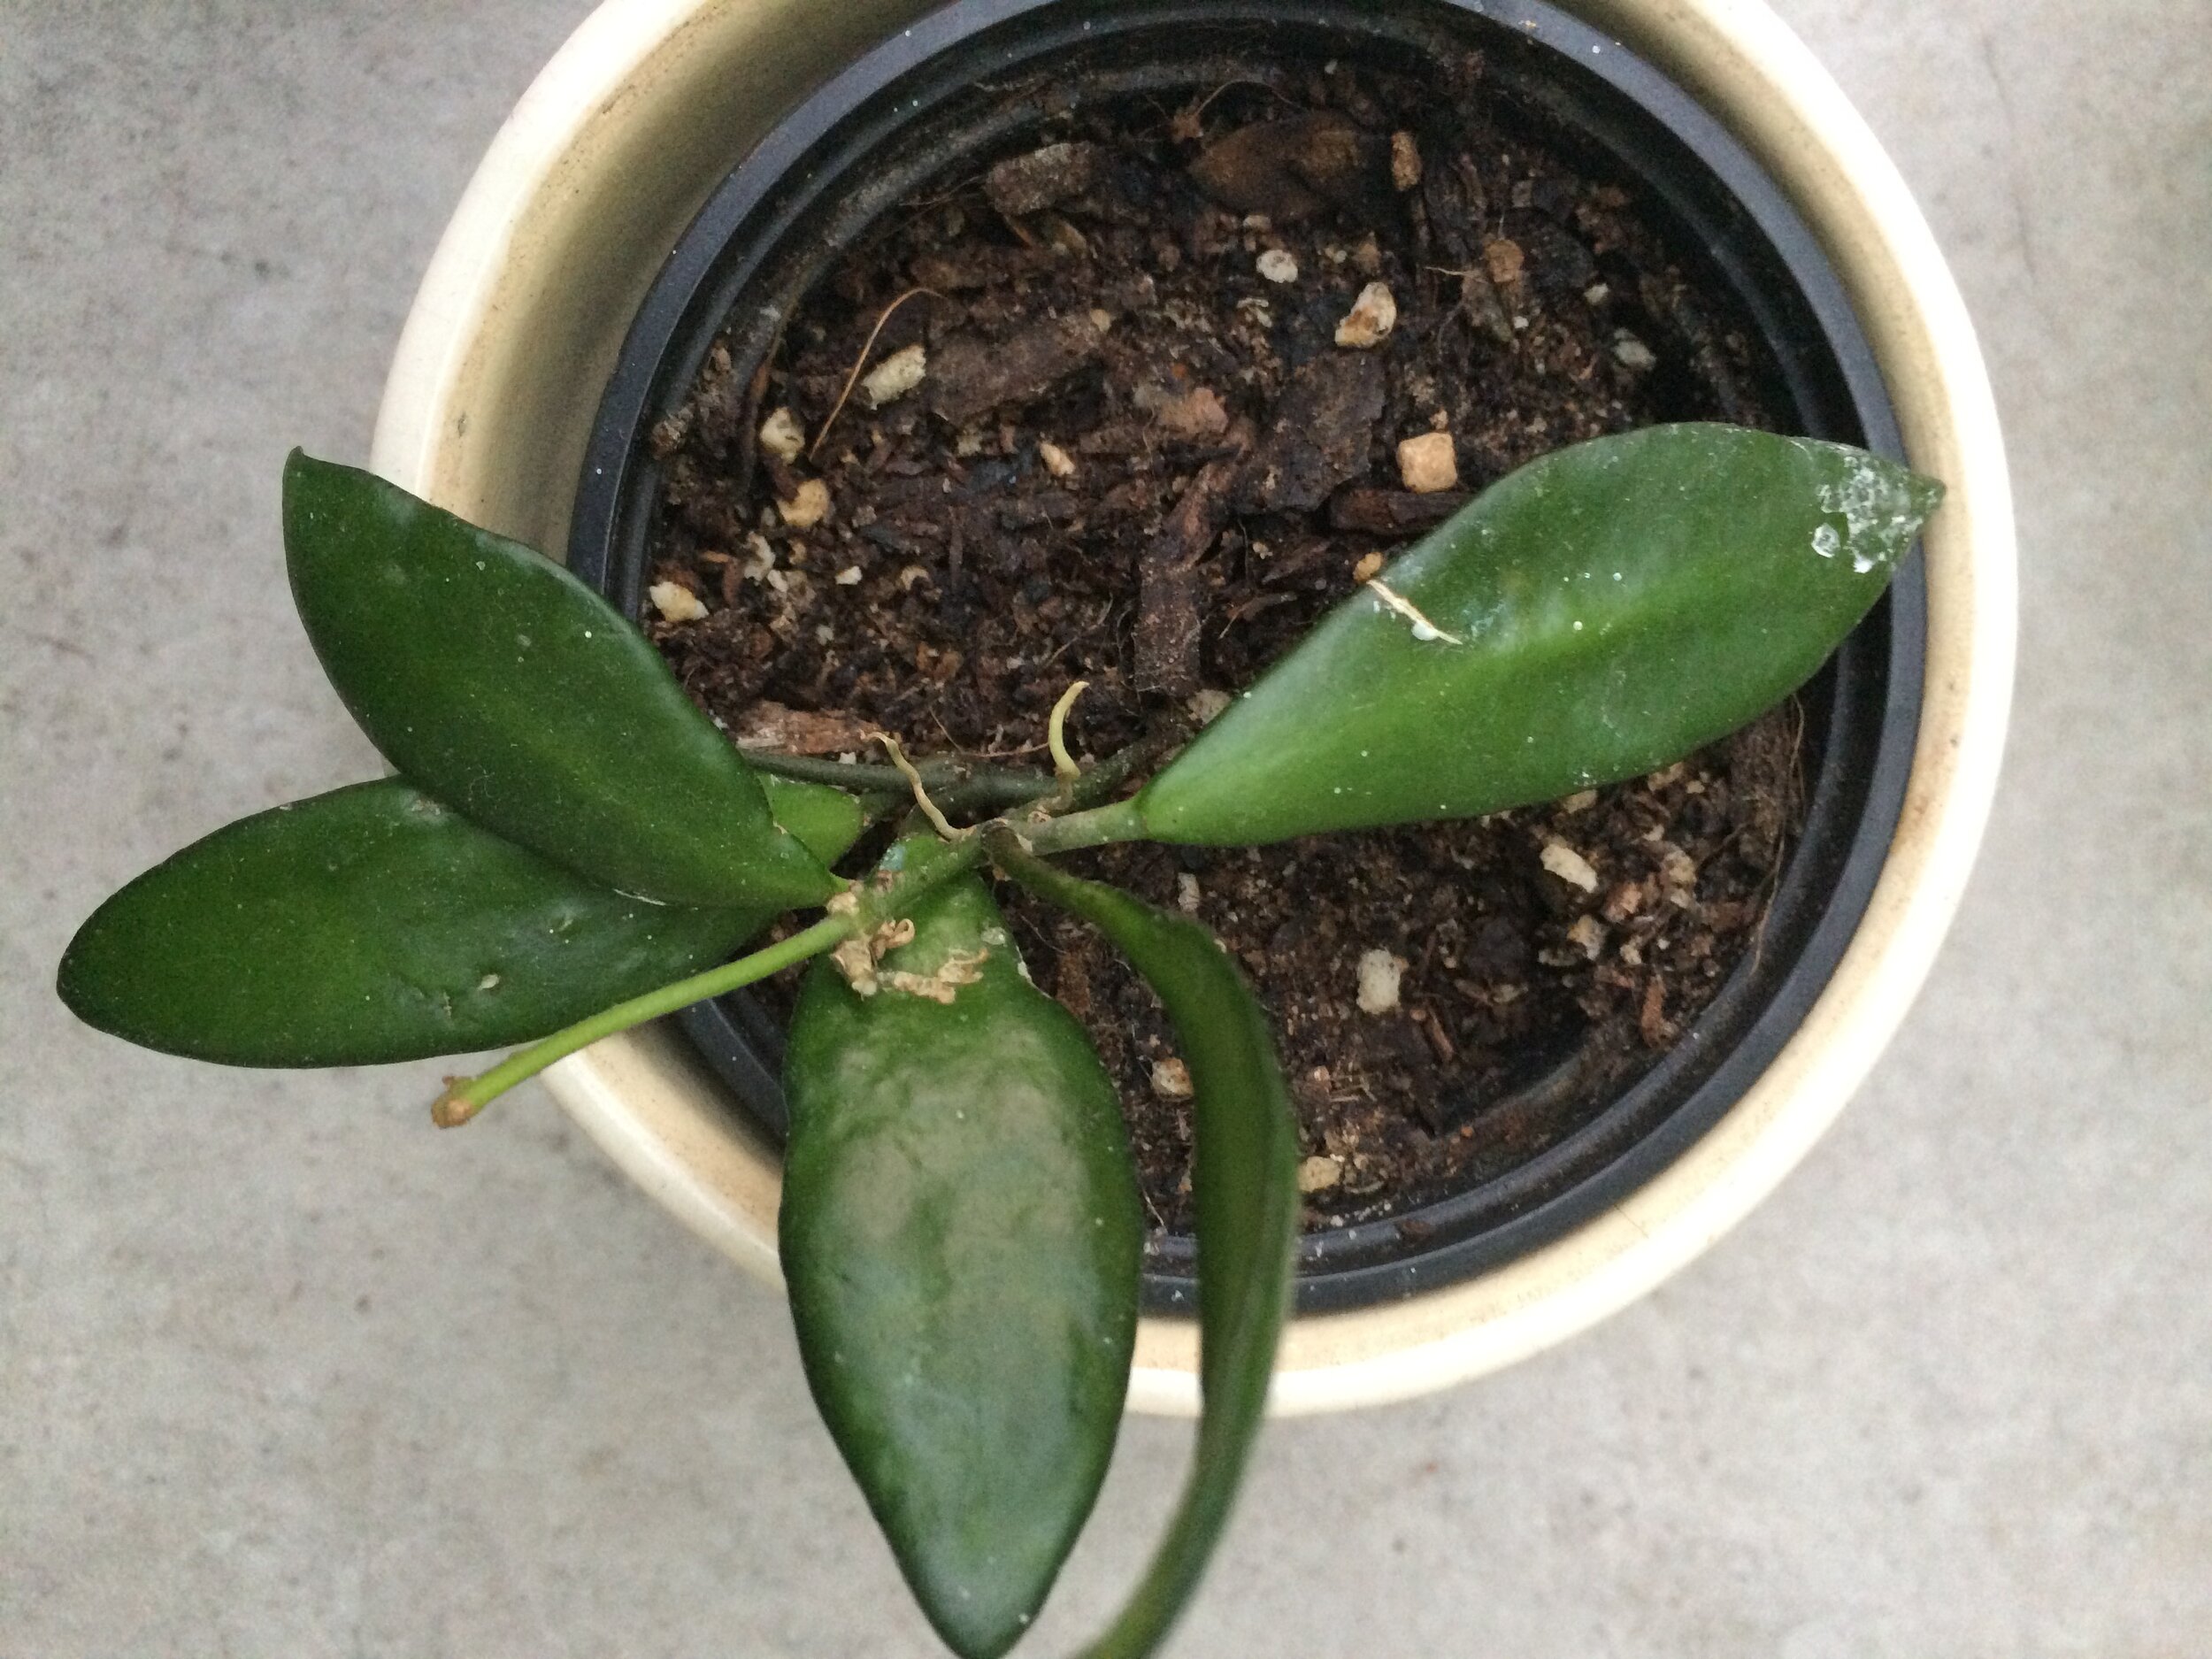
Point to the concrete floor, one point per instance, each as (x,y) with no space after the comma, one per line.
(284,1372)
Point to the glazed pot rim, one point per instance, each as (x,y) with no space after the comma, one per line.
(636,61)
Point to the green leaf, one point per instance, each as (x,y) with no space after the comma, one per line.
(370,925)
(826,821)
(961,1233)
(1616,605)
(510,691)
(1246,1187)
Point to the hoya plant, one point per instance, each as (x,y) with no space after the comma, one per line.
(570,848)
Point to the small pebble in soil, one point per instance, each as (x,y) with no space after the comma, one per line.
(896,376)
(1429,463)
(1368,568)
(1587,936)
(1197,413)
(675,602)
(1405,160)
(1570,866)
(1057,461)
(1206,705)
(1186,894)
(1318,1173)
(782,436)
(1279,264)
(807,507)
(1380,972)
(1171,1079)
(1678,873)
(1373,315)
(1632,353)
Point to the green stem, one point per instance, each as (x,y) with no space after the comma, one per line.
(467,1096)
(950,782)
(1103,781)
(962,786)
(1118,821)
(470,1095)
(1096,827)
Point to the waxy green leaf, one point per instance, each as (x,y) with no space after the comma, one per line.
(507,689)
(826,821)
(961,1233)
(1244,1185)
(1598,613)
(369,925)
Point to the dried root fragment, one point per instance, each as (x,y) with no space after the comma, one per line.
(962,967)
(858,959)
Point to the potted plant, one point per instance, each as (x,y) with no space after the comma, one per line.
(375,651)
(1127,360)
(570,844)
(489,409)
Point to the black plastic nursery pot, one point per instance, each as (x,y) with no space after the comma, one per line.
(979,75)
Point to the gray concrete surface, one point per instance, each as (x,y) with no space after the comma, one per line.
(283,1372)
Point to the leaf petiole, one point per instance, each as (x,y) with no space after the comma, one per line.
(467,1096)
(855,913)
(1099,826)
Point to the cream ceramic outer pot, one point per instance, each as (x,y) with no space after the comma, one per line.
(589,184)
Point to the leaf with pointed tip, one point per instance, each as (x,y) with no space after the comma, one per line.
(1598,613)
(513,693)
(826,821)
(1244,1182)
(961,1234)
(369,925)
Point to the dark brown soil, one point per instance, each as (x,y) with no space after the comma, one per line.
(1136,460)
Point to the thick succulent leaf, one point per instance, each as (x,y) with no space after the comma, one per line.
(507,689)
(961,1234)
(369,925)
(826,821)
(1596,614)
(1245,1186)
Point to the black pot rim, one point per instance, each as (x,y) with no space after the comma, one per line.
(1869,696)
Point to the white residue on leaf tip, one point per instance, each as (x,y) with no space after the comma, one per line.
(1875,506)
(1826,540)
